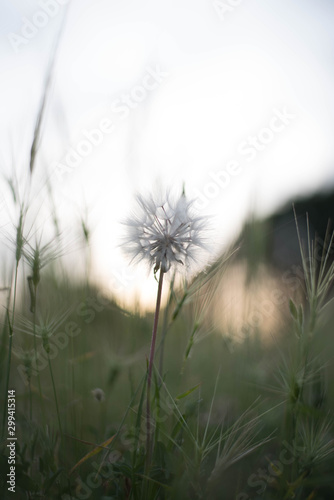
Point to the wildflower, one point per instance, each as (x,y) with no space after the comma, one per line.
(164,232)
(98,394)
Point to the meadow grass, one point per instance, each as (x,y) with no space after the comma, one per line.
(239,420)
(108,409)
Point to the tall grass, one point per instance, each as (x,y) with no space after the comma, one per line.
(203,422)
(110,408)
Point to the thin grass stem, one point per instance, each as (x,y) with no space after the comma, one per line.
(55,394)
(10,347)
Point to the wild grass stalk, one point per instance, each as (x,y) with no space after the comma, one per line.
(55,394)
(33,298)
(302,373)
(10,323)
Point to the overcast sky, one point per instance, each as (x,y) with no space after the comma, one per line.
(232,98)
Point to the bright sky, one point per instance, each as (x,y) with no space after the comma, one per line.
(234,98)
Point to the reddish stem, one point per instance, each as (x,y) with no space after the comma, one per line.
(150,368)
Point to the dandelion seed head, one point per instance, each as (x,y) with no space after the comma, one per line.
(164,232)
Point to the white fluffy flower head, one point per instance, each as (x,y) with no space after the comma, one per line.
(164,232)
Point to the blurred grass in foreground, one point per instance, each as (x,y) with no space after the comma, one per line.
(210,379)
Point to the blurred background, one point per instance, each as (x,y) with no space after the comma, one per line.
(232,99)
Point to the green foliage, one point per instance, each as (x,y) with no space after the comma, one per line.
(213,436)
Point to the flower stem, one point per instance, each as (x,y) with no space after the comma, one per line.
(165,327)
(150,368)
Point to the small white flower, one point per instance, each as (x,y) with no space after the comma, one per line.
(164,232)
(98,394)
